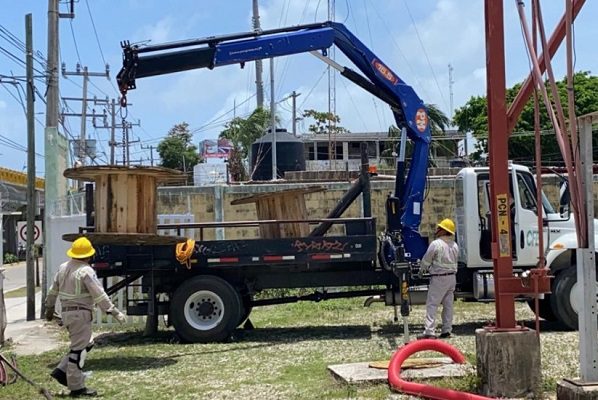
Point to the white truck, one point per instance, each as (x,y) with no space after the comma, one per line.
(475,273)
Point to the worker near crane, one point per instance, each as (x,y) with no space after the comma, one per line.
(78,288)
(440,261)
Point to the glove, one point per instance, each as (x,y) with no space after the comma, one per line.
(50,313)
(420,273)
(120,317)
(115,312)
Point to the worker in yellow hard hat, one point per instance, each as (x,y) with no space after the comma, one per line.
(440,261)
(78,288)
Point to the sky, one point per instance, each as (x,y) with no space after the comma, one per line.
(416,39)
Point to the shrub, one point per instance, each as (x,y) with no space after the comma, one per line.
(10,258)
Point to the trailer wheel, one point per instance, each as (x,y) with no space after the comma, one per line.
(205,309)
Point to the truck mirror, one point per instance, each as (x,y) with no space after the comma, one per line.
(564,199)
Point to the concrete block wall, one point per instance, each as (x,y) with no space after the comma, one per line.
(212,203)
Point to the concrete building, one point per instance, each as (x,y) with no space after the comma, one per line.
(346,153)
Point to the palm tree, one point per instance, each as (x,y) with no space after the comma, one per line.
(438,124)
(438,120)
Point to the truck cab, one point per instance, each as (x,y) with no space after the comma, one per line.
(475,273)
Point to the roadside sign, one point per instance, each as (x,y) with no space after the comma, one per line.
(22,233)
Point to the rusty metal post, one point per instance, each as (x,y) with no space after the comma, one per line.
(528,86)
(498,137)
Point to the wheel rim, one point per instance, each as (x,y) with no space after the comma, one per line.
(204,310)
(575,296)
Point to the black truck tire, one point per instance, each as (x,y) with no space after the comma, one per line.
(544,308)
(205,309)
(561,297)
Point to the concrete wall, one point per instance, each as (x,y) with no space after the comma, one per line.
(212,203)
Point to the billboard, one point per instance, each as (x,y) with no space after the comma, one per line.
(215,148)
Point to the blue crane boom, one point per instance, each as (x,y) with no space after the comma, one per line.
(404,208)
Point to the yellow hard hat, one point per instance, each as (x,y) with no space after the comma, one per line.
(448,225)
(81,248)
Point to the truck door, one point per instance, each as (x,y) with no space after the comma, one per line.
(526,220)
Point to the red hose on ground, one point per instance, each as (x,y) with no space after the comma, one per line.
(420,389)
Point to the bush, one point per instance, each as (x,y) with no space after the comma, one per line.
(10,258)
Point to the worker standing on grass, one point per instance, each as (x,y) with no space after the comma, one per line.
(78,289)
(440,261)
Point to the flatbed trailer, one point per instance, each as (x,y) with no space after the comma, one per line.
(213,291)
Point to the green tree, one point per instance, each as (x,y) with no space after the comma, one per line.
(176,150)
(473,117)
(323,122)
(242,132)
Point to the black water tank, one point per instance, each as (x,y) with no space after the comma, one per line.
(290,155)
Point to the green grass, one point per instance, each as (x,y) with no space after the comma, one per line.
(285,357)
(21,292)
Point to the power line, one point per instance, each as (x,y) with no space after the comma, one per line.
(425,53)
(75,42)
(414,74)
(95,31)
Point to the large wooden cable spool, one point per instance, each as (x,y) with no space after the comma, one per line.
(125,201)
(282,205)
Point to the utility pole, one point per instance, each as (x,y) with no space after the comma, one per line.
(126,142)
(259,84)
(151,149)
(331,96)
(293,96)
(273,121)
(112,130)
(113,126)
(30,170)
(451,82)
(55,144)
(82,154)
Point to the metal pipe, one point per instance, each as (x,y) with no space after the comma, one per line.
(526,89)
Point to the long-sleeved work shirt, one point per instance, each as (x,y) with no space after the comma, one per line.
(441,257)
(77,285)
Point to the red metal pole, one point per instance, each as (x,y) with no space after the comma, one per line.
(498,138)
(528,86)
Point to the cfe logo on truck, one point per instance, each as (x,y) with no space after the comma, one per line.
(504,241)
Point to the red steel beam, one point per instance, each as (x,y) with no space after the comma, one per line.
(528,86)
(498,139)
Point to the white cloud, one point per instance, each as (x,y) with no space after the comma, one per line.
(279,13)
(158,32)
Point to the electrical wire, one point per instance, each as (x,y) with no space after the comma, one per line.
(75,41)
(425,53)
(95,31)
(414,73)
(313,87)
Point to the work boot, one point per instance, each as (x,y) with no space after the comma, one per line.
(59,375)
(84,392)
(426,336)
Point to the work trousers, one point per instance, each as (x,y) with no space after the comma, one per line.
(440,291)
(78,325)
